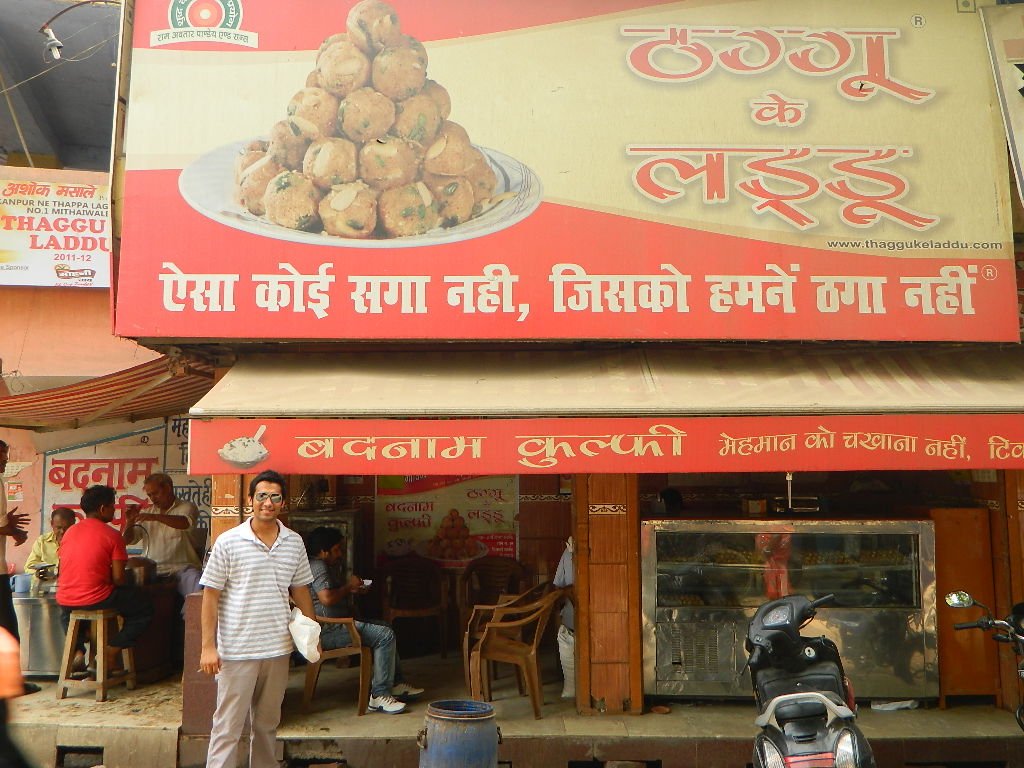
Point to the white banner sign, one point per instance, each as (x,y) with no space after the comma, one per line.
(54,228)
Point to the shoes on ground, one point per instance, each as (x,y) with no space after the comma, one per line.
(405,691)
(387,704)
(568,694)
(31,688)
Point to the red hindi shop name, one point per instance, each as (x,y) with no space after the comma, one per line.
(117,473)
(681,54)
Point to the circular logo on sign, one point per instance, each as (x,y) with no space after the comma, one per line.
(205,13)
(208,14)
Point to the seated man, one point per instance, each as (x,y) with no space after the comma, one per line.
(92,572)
(45,552)
(166,531)
(330,594)
(44,549)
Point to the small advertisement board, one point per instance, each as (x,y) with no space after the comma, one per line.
(54,228)
(450,519)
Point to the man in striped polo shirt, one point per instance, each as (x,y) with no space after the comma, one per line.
(252,572)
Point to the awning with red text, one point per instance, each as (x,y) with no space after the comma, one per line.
(713,409)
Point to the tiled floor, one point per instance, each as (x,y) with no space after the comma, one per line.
(141,727)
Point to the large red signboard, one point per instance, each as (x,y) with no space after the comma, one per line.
(585,170)
(642,445)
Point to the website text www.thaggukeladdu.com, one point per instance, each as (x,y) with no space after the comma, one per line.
(910,245)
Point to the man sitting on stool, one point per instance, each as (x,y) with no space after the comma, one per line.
(92,573)
(323,545)
(45,552)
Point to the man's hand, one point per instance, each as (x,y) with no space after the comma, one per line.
(209,661)
(15,527)
(131,515)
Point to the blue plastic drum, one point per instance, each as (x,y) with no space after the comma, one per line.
(459,734)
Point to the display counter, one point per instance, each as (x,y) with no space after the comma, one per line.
(42,636)
(703,580)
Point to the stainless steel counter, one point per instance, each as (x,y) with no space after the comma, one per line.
(42,636)
(704,579)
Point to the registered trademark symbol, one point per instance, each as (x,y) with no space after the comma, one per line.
(989,272)
(917,21)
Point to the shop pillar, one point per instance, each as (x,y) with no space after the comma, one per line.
(609,671)
(227,504)
(1008,570)
(199,690)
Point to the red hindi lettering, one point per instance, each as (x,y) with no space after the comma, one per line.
(876,75)
(713,169)
(778,110)
(779,203)
(862,209)
(733,58)
(641,56)
(803,59)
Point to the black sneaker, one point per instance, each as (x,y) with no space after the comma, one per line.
(31,688)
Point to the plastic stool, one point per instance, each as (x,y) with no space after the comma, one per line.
(105,679)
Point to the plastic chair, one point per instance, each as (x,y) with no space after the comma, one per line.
(485,580)
(512,636)
(355,648)
(482,614)
(414,588)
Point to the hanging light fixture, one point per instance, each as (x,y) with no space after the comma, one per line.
(52,45)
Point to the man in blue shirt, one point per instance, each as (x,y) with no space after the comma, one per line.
(331,593)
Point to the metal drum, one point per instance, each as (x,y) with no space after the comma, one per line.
(459,734)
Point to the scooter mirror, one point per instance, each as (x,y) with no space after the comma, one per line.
(959,599)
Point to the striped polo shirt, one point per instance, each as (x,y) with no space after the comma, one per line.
(254,579)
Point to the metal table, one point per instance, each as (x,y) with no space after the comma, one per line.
(42,636)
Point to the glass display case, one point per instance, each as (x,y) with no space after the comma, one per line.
(703,580)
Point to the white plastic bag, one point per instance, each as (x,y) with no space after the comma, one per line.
(888,705)
(567,655)
(306,634)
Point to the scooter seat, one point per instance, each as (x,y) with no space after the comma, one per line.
(797,710)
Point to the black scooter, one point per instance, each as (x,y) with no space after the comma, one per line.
(1009,630)
(804,700)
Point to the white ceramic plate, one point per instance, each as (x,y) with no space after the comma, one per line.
(208,186)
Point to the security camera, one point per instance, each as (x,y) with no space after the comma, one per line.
(53,45)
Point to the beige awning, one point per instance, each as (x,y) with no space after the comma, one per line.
(726,380)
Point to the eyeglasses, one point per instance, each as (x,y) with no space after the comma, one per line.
(262,496)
